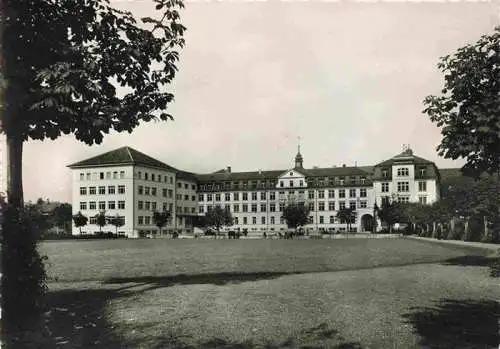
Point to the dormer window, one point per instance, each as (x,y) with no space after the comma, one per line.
(385,173)
(291,173)
(403,172)
(423,172)
(282,184)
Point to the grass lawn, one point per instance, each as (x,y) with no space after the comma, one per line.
(362,293)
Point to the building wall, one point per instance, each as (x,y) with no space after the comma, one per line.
(186,202)
(92,179)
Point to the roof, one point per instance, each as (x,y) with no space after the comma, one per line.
(224,175)
(122,156)
(406,155)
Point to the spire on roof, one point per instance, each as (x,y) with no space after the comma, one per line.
(298,158)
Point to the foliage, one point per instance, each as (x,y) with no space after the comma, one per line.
(160,219)
(101,220)
(468,110)
(62,215)
(117,221)
(218,217)
(23,283)
(296,215)
(346,215)
(80,220)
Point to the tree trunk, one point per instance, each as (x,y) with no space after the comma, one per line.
(485,222)
(15,172)
(466,229)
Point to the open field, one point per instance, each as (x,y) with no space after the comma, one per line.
(394,293)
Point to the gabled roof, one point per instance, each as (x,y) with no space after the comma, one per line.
(122,156)
(406,155)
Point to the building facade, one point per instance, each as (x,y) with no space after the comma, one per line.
(131,184)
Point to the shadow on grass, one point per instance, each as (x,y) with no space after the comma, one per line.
(76,319)
(457,324)
(477,261)
(218,279)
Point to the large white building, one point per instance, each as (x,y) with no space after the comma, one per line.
(134,185)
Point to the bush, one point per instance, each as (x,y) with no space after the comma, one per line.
(23,284)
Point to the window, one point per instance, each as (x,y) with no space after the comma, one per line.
(272,195)
(282,220)
(291,183)
(201,209)
(263,195)
(282,206)
(385,173)
(422,186)
(164,193)
(122,174)
(273,220)
(83,205)
(244,220)
(235,219)
(363,204)
(262,207)
(186,197)
(244,207)
(227,196)
(88,176)
(403,199)
(92,190)
(422,200)
(92,205)
(311,206)
(272,207)
(121,205)
(254,207)
(341,193)
(93,220)
(186,186)
(102,190)
(352,205)
(111,205)
(385,187)
(301,183)
(236,208)
(331,206)
(282,184)
(140,220)
(147,220)
(254,220)
(254,195)
(311,194)
(102,205)
(108,175)
(341,205)
(403,187)
(217,197)
(193,197)
(385,200)
(352,193)
(101,175)
(115,175)
(111,189)
(403,172)
(140,205)
(423,172)
(121,189)
(201,197)
(147,205)
(146,176)
(236,196)
(147,190)
(311,220)
(140,190)
(321,221)
(193,186)
(263,220)
(83,190)
(209,197)
(331,193)
(170,193)
(362,192)
(245,196)
(179,185)
(321,194)
(332,219)
(153,191)
(82,176)
(153,206)
(321,206)
(152,177)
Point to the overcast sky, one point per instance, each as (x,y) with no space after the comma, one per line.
(347,77)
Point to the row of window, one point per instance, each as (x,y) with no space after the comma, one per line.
(404,172)
(93,220)
(101,205)
(166,193)
(154,177)
(101,190)
(272,220)
(102,175)
(321,206)
(404,187)
(272,195)
(405,199)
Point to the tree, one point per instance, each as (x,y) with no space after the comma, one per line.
(218,217)
(80,221)
(117,221)
(347,215)
(387,214)
(61,64)
(160,219)
(468,109)
(296,215)
(101,220)
(62,215)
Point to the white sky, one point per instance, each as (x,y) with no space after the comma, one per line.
(348,77)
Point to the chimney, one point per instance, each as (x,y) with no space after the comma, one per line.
(228,169)
(343,165)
